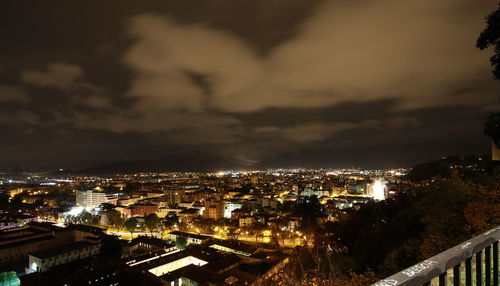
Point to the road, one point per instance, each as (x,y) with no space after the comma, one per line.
(246,238)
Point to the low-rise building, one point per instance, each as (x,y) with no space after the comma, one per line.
(235,247)
(188,215)
(236,214)
(43,260)
(191,237)
(147,242)
(4,224)
(246,221)
(196,266)
(138,210)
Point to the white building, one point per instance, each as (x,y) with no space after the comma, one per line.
(230,207)
(90,199)
(377,189)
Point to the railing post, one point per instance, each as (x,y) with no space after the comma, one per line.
(456,275)
(479,269)
(443,280)
(468,271)
(462,255)
(495,263)
(487,265)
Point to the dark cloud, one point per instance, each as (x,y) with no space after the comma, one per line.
(12,94)
(323,83)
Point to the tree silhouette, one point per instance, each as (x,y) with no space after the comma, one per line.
(111,248)
(181,242)
(490,37)
(114,218)
(131,224)
(492,128)
(151,221)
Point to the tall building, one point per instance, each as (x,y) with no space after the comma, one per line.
(173,196)
(90,199)
(214,210)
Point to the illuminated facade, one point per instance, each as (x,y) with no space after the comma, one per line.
(90,199)
(230,207)
(177,264)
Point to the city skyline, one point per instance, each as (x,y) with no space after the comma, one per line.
(248,84)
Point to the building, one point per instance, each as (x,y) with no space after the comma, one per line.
(214,211)
(43,260)
(86,232)
(4,224)
(230,206)
(173,196)
(20,219)
(237,214)
(188,215)
(90,199)
(246,221)
(138,210)
(17,243)
(151,243)
(190,237)
(197,266)
(129,201)
(235,247)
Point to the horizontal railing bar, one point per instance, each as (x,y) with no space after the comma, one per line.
(426,270)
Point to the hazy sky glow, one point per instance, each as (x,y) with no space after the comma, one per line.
(268,83)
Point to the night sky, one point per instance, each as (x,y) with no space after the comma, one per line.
(281,83)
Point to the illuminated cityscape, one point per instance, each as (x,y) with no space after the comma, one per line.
(250,143)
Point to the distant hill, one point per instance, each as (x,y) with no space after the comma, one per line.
(166,164)
(465,165)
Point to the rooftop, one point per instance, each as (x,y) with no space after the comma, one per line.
(236,245)
(216,261)
(152,241)
(187,234)
(51,252)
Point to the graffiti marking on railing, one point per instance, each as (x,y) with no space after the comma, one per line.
(490,231)
(418,268)
(465,245)
(387,282)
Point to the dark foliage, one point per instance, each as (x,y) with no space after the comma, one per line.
(181,242)
(490,37)
(492,128)
(418,223)
(443,167)
(111,248)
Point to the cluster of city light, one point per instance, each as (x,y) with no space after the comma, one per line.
(378,190)
(74,211)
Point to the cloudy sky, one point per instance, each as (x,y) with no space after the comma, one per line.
(279,83)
